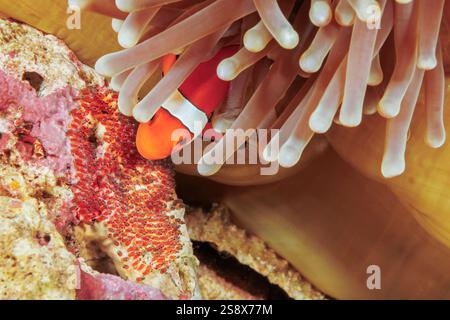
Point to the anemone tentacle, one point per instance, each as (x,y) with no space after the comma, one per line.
(340,45)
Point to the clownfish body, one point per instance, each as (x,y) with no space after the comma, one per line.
(190,107)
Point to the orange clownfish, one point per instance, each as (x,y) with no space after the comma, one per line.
(189,107)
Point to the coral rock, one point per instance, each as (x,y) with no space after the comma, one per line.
(34,262)
(65,148)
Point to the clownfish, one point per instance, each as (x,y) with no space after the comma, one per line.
(189,107)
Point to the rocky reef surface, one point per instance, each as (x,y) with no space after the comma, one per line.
(82,216)
(73,189)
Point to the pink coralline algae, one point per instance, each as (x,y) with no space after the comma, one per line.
(39,122)
(109,287)
(81,137)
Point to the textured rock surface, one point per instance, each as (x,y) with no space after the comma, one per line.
(216,228)
(24,49)
(65,150)
(109,287)
(215,287)
(34,262)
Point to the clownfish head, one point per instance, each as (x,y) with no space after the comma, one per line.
(187,109)
(155,140)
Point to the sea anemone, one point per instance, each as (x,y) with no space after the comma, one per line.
(330,211)
(333,59)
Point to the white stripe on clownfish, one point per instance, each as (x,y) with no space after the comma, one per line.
(181,108)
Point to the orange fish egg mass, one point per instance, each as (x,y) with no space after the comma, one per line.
(116,185)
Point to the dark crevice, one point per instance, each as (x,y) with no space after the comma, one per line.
(242,276)
(34,79)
